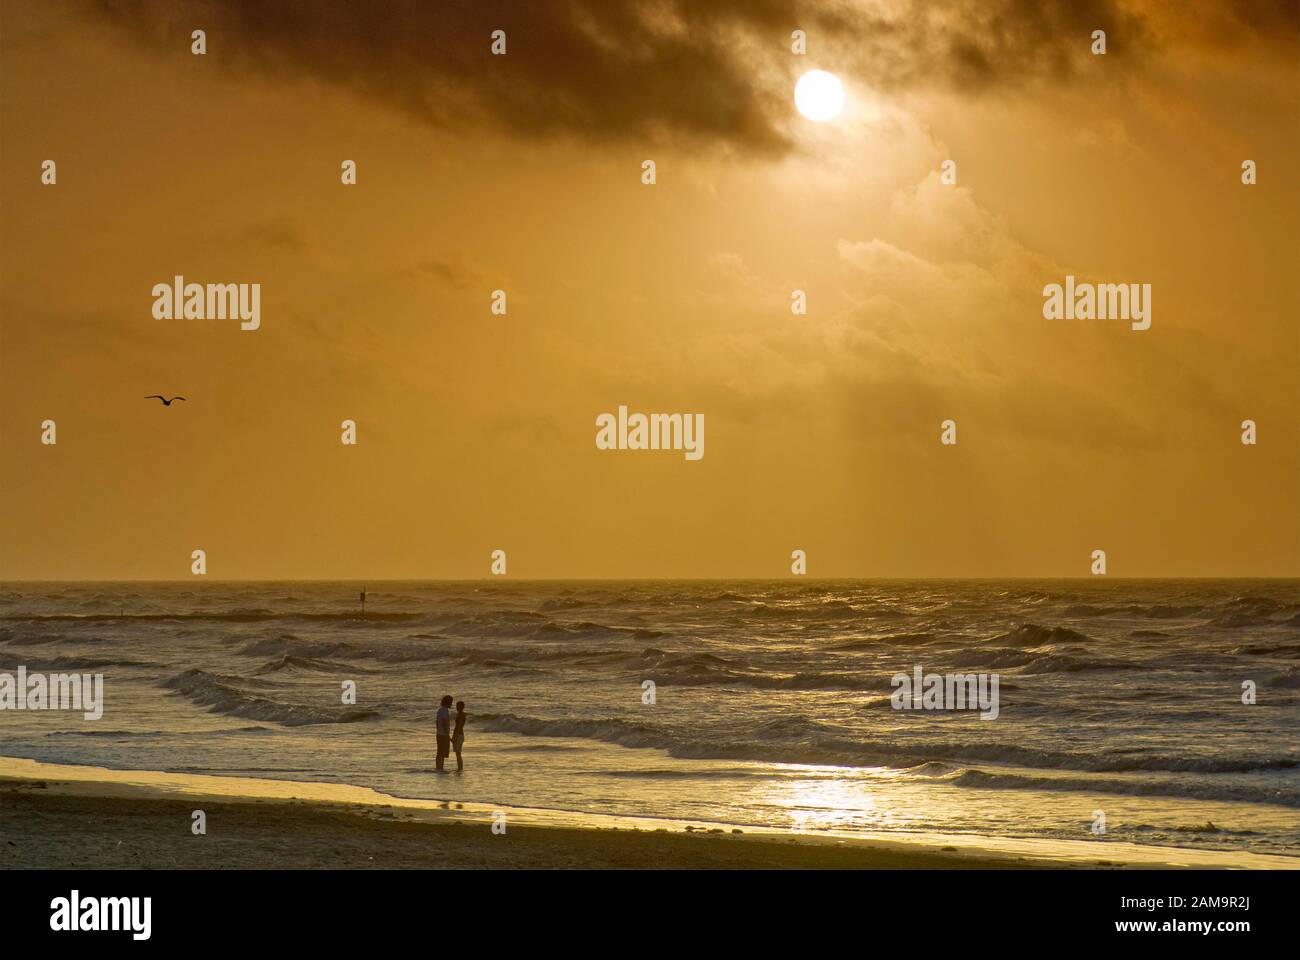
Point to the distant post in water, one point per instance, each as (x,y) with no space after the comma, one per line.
(363,603)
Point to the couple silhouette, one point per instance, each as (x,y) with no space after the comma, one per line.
(451,737)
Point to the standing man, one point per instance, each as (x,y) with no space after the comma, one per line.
(444,732)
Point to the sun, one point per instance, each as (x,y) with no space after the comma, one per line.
(819,95)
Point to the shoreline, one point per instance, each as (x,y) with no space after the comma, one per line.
(56,816)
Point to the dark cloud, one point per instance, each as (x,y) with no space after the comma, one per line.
(696,71)
(598,69)
(278,233)
(455,272)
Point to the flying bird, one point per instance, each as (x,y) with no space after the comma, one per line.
(166,402)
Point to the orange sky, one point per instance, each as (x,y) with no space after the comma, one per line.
(522,173)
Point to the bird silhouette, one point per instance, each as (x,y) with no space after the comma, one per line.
(166,402)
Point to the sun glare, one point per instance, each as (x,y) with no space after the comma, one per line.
(819,95)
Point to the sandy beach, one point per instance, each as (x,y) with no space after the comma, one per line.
(54,816)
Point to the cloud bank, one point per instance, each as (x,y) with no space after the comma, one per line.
(715,73)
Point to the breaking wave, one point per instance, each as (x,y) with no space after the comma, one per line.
(222,694)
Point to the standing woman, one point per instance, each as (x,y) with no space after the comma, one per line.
(458,734)
(444,731)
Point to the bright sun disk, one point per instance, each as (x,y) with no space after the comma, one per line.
(819,95)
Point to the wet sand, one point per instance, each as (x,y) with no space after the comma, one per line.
(55,817)
(49,830)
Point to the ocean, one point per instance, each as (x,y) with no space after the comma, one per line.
(768,702)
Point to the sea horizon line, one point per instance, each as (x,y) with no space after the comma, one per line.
(650,579)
